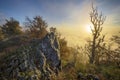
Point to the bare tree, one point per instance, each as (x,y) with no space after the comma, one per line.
(116,52)
(97,19)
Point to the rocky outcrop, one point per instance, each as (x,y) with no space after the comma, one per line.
(39,59)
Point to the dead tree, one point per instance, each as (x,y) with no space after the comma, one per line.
(97,19)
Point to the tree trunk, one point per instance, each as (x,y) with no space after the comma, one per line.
(93,51)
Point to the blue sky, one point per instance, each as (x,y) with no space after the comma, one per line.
(71,17)
(57,12)
(49,9)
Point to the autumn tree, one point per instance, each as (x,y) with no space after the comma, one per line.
(11,28)
(36,27)
(1,34)
(93,48)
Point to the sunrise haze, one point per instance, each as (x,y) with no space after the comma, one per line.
(70,17)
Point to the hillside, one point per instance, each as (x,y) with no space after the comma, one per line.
(33,60)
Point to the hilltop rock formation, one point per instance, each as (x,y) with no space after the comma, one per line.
(38,59)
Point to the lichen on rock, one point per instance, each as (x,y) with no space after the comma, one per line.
(38,60)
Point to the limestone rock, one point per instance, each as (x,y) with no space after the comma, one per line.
(37,60)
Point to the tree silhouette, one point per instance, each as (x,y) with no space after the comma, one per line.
(116,52)
(93,50)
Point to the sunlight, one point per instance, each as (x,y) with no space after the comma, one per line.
(88,28)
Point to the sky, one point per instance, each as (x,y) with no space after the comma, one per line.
(70,16)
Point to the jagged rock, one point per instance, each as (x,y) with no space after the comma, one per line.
(39,59)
